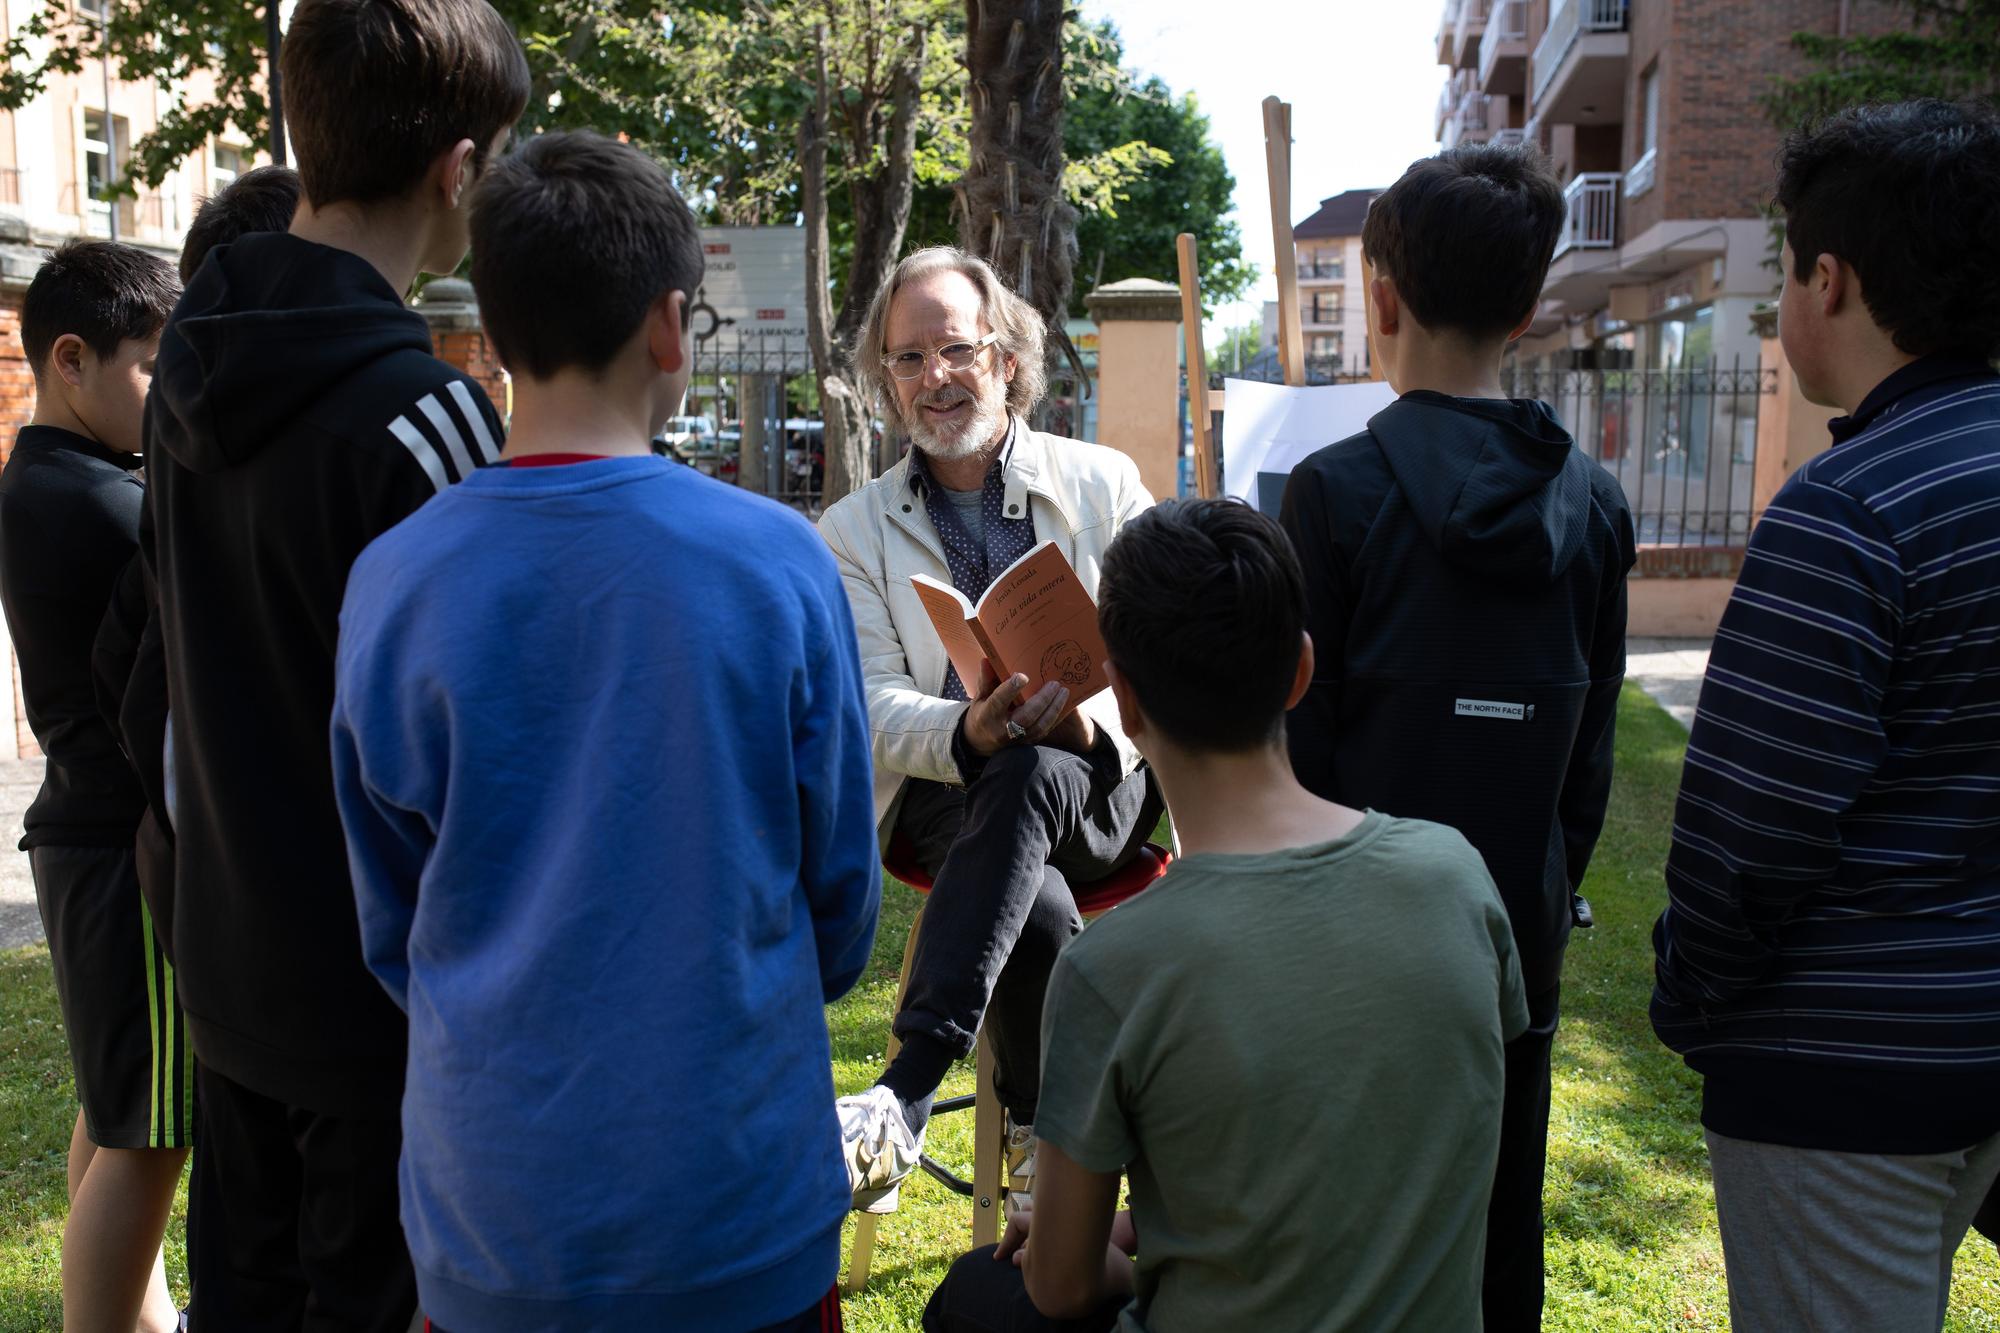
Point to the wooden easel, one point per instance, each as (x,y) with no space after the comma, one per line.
(1291,342)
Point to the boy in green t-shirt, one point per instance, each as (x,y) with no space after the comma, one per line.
(1292,1043)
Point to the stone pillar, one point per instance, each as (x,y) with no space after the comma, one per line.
(1790,430)
(449,307)
(1138,376)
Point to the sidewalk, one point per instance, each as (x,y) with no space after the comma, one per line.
(20,923)
(1670,670)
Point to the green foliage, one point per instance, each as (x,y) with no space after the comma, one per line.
(1238,346)
(1951,49)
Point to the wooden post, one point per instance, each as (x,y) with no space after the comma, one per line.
(1199,404)
(1278,162)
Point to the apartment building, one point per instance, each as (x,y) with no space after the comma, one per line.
(1331,314)
(1648,109)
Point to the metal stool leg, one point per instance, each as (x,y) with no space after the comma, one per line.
(865,1226)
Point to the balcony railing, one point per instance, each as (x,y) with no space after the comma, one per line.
(1640,178)
(1474,111)
(1447,99)
(1569,20)
(1592,200)
(1332,270)
(1508,138)
(1471,22)
(1508,24)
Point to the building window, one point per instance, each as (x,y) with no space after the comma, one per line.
(98,150)
(228,165)
(1649,110)
(1324,347)
(1322,264)
(91,9)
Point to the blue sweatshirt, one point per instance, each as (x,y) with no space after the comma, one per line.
(1830,955)
(601,753)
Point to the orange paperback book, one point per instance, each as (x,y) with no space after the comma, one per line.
(1037,619)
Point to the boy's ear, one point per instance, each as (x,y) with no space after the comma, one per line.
(1526,320)
(1131,718)
(1833,283)
(667,332)
(1302,676)
(455,175)
(66,358)
(1388,307)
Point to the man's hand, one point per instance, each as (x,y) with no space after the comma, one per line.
(1075,733)
(999,702)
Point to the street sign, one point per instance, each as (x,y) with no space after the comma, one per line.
(755,283)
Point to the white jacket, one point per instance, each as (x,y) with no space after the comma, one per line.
(1079,495)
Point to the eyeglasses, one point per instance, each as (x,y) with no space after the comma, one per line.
(955,356)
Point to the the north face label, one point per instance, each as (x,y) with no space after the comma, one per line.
(1492,708)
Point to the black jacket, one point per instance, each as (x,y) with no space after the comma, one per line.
(130,663)
(69,524)
(1465,578)
(296,413)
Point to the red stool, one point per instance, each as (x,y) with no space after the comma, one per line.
(988,1187)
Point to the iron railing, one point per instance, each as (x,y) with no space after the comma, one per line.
(1682,443)
(739,390)
(1569,20)
(1592,199)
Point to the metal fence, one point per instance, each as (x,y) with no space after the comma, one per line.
(1683,443)
(742,424)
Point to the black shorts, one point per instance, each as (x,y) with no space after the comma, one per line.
(127,1042)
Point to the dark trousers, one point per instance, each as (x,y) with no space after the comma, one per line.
(823,1317)
(982,1294)
(1512,1293)
(292,1219)
(1003,853)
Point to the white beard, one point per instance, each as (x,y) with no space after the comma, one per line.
(987,419)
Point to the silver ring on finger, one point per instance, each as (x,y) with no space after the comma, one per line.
(1015,731)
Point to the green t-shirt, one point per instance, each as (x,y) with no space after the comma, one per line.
(1296,1057)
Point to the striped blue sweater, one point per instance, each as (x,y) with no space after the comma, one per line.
(1830,955)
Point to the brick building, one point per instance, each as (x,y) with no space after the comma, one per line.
(1649,111)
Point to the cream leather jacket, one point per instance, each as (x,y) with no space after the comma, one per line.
(1079,495)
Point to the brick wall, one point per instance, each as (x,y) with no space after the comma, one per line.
(17,382)
(470,352)
(1717,57)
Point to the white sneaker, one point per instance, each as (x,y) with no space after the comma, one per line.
(1020,1157)
(876,1144)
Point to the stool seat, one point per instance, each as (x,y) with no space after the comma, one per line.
(1093,899)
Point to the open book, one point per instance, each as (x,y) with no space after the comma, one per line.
(1036,619)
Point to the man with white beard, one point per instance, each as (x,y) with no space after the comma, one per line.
(999,796)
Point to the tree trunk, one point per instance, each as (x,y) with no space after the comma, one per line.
(843,401)
(882,201)
(1010,201)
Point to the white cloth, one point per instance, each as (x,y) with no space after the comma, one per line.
(1079,494)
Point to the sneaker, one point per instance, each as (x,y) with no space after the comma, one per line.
(1020,1157)
(876,1144)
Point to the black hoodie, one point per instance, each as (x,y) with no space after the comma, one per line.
(1465,580)
(296,413)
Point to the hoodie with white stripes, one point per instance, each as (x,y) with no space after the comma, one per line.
(297,413)
(1830,956)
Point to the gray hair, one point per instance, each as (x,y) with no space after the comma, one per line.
(1020,326)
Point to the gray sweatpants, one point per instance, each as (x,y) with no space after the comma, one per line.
(1840,1242)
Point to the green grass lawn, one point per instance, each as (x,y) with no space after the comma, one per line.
(1632,1242)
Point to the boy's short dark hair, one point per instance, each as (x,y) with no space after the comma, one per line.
(573,236)
(1467,237)
(1909,195)
(1202,604)
(375,90)
(259,200)
(101,291)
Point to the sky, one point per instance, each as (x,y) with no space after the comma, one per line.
(1362,77)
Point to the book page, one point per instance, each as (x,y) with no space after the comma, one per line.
(951,613)
(1043,624)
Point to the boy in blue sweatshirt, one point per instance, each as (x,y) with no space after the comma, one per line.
(601,753)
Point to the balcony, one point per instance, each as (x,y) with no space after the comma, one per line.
(1326,270)
(1592,201)
(1321,314)
(1503,51)
(1577,74)
(1509,138)
(1472,16)
(1448,33)
(1447,103)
